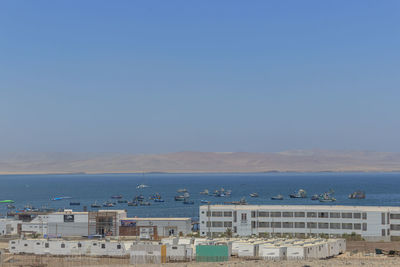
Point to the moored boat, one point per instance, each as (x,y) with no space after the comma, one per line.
(205,192)
(134,203)
(205,201)
(278,197)
(95,205)
(315,197)
(116,196)
(122,201)
(300,194)
(357,195)
(254,194)
(182,190)
(188,202)
(179,198)
(142,186)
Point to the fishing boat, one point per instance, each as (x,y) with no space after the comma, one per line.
(60,198)
(179,198)
(139,198)
(220,193)
(205,192)
(116,196)
(95,205)
(357,195)
(188,202)
(326,197)
(254,194)
(108,204)
(315,197)
(183,190)
(122,201)
(155,196)
(74,203)
(7,201)
(159,200)
(144,203)
(205,201)
(278,197)
(242,201)
(10,207)
(134,203)
(142,186)
(300,194)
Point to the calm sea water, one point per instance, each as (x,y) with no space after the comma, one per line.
(37,190)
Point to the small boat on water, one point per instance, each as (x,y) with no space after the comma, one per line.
(144,203)
(122,201)
(7,201)
(357,195)
(254,194)
(205,201)
(326,197)
(205,192)
(139,198)
(278,197)
(10,207)
(300,194)
(242,201)
(142,186)
(134,203)
(108,204)
(179,198)
(188,202)
(182,190)
(315,197)
(60,198)
(222,193)
(74,203)
(159,200)
(95,205)
(116,196)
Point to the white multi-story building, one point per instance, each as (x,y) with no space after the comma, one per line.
(370,222)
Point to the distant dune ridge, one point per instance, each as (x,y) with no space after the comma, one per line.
(287,161)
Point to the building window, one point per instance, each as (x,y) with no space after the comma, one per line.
(357,215)
(311,225)
(276,224)
(347,215)
(383,218)
(46,245)
(263,214)
(275,214)
(103,245)
(244,217)
(202,212)
(347,226)
(323,215)
(364,226)
(253,224)
(208,214)
(234,216)
(63,245)
(79,245)
(234,229)
(395,216)
(287,214)
(253,214)
(25,245)
(334,225)
(388,218)
(227,213)
(299,225)
(311,214)
(217,224)
(208,224)
(299,214)
(287,225)
(202,222)
(203,233)
(216,214)
(227,224)
(395,227)
(357,226)
(263,224)
(118,246)
(383,232)
(37,243)
(323,225)
(335,214)
(94,244)
(364,215)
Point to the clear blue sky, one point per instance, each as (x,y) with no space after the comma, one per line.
(164,76)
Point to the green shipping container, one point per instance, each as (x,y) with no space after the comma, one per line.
(210,253)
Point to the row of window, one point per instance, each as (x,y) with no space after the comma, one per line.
(46,245)
(309,225)
(297,214)
(301,214)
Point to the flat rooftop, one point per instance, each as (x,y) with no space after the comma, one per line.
(303,207)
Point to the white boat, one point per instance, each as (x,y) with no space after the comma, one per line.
(141,186)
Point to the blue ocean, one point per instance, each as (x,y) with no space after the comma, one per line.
(382,189)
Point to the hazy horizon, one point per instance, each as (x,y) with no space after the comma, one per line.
(157,77)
